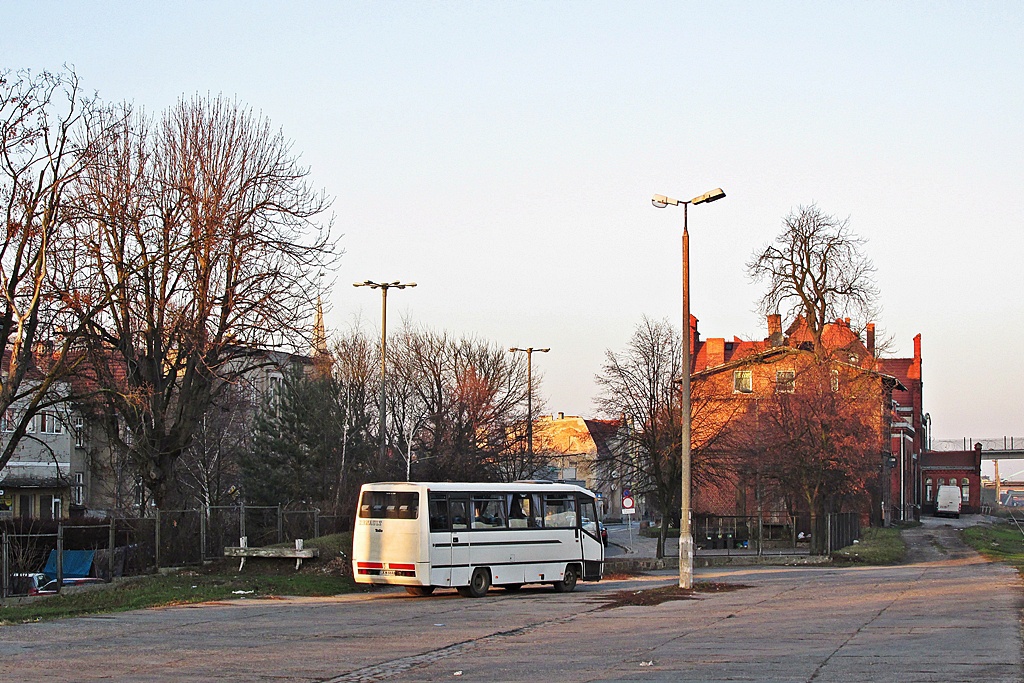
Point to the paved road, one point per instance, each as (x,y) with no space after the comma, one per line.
(948,616)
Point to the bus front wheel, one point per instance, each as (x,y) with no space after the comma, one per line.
(569,579)
(419,591)
(479,584)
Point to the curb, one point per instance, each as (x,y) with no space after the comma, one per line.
(641,564)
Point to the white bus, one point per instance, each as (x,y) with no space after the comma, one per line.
(472,536)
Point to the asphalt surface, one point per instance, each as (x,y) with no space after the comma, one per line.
(946,616)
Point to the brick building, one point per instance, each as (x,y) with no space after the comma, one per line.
(735,376)
(952,468)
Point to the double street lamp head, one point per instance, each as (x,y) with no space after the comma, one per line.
(529,350)
(384,285)
(661,201)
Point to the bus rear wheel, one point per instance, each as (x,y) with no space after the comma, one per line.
(419,591)
(569,579)
(479,584)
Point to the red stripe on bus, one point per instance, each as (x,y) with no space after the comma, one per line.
(393,565)
(370,565)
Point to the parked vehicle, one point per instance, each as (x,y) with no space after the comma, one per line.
(471,536)
(948,502)
(27,583)
(50,588)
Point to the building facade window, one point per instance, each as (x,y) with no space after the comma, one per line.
(78,489)
(928,489)
(49,423)
(835,380)
(8,420)
(743,381)
(785,381)
(79,431)
(965,490)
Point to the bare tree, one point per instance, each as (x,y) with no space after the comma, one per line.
(641,385)
(42,151)
(820,443)
(201,247)
(471,391)
(815,269)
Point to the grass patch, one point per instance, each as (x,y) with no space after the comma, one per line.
(879,546)
(330,575)
(999,543)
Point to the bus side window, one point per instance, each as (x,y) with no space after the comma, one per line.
(460,518)
(560,510)
(488,512)
(438,513)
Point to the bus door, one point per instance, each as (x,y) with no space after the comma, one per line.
(590,540)
(461,519)
(440,541)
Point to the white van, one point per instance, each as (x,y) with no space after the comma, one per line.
(948,502)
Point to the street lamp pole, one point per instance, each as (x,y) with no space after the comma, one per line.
(529,395)
(685,527)
(383,287)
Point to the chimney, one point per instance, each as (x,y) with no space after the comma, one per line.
(775,329)
(914,372)
(871,339)
(561,416)
(715,350)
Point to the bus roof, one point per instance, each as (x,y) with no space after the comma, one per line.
(483,486)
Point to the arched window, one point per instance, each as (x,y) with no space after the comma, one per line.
(928,489)
(942,482)
(965,490)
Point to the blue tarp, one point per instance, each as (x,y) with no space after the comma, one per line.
(77,564)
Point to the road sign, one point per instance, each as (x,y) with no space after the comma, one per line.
(628,505)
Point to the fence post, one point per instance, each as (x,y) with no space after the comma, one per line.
(156,540)
(111,544)
(280,525)
(60,556)
(241,520)
(6,566)
(202,533)
(316,522)
(828,534)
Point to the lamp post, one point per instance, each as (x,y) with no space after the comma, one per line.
(383,287)
(529,395)
(685,531)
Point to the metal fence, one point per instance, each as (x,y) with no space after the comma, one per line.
(127,546)
(772,533)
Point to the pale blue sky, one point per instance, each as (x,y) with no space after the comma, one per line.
(503,156)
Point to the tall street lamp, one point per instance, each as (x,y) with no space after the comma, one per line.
(685,531)
(529,395)
(383,287)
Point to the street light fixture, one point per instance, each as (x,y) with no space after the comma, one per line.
(685,530)
(383,287)
(529,395)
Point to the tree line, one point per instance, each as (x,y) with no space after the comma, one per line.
(153,263)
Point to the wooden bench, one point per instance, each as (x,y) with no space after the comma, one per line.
(298,553)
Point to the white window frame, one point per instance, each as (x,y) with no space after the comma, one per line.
(78,489)
(743,381)
(785,386)
(49,423)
